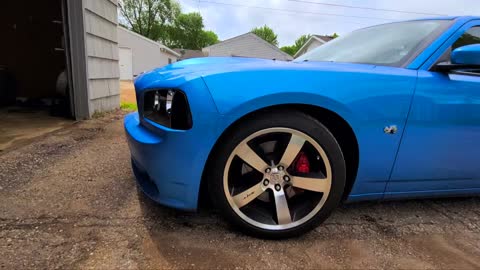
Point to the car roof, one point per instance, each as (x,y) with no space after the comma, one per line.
(456,18)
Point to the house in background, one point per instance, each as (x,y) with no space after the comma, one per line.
(314,42)
(187,54)
(247,45)
(138,54)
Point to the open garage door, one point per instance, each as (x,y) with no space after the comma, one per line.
(35,80)
(33,57)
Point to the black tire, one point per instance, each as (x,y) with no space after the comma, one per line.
(287,119)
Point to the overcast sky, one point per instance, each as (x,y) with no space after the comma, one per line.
(234,17)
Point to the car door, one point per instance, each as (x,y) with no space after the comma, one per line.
(440,150)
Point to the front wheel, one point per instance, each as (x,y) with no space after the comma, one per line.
(277,175)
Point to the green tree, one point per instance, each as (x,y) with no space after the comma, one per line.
(209,38)
(149,18)
(301,41)
(267,34)
(292,50)
(187,33)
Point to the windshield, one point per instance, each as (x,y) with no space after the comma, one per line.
(388,45)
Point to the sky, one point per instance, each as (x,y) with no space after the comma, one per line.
(293,18)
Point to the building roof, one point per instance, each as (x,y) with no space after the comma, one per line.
(168,50)
(320,38)
(324,38)
(187,54)
(230,40)
(160,45)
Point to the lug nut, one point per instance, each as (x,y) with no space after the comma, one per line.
(266,182)
(286,178)
(280,168)
(268,170)
(278,187)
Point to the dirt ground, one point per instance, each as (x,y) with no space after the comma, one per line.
(69,201)
(20,126)
(127,92)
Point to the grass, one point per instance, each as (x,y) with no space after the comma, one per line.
(97,114)
(129,107)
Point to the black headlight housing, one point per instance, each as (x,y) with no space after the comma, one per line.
(167,107)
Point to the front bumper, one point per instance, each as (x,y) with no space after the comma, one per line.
(168,164)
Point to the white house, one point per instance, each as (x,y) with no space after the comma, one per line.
(314,42)
(187,54)
(247,45)
(138,54)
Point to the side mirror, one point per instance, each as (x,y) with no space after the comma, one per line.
(466,57)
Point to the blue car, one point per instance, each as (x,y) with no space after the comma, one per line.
(386,112)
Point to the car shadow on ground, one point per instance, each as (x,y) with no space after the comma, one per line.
(182,238)
(415,212)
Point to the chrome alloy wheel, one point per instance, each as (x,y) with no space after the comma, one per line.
(266,185)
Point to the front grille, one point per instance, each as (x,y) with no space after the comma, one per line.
(167,107)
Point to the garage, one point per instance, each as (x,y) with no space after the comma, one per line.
(38,43)
(58,63)
(139,54)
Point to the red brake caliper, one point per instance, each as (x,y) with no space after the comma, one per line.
(302,165)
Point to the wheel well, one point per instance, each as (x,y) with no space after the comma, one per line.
(345,137)
(340,129)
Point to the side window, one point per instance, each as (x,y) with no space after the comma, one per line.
(472,36)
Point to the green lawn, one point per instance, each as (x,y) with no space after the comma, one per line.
(130,107)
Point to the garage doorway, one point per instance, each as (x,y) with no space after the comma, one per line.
(36,96)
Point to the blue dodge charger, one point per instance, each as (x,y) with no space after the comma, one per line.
(386,112)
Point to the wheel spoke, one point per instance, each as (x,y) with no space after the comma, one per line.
(251,158)
(272,153)
(312,184)
(248,195)
(294,146)
(281,205)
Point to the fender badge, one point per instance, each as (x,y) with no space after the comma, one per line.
(393,129)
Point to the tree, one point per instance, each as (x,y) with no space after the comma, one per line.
(301,41)
(292,50)
(267,34)
(209,38)
(187,33)
(149,18)
(162,20)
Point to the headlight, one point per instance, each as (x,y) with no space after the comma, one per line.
(167,107)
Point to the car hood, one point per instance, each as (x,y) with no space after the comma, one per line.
(186,70)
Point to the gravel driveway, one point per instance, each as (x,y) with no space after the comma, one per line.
(69,201)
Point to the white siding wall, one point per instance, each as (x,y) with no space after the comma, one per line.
(146,54)
(101,20)
(246,46)
(315,43)
(164,58)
